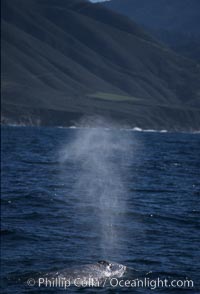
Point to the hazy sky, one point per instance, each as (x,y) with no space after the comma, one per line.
(98,0)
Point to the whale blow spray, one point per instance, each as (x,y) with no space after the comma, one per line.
(100,157)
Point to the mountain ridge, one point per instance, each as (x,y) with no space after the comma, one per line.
(175,23)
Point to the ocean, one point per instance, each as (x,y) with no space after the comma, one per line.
(73,196)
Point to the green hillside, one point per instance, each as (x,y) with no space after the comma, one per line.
(62,60)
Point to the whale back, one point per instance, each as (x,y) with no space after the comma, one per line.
(100,270)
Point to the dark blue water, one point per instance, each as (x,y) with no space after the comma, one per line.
(44,227)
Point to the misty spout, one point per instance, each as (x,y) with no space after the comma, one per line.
(99,155)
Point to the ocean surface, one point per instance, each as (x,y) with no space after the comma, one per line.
(75,196)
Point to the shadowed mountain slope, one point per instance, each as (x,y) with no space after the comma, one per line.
(174,22)
(64,59)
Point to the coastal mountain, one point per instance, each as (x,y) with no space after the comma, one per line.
(174,22)
(62,60)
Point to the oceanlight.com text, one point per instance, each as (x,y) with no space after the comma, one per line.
(151,283)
